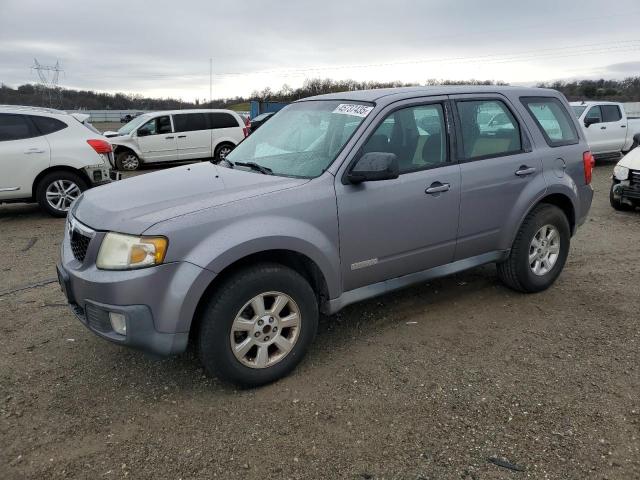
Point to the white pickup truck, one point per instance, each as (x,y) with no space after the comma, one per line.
(608,129)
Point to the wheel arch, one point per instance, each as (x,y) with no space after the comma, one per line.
(117,149)
(565,204)
(560,200)
(224,141)
(57,168)
(297,261)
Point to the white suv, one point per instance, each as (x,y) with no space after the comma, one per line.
(50,157)
(177,135)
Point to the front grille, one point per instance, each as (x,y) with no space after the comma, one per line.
(98,319)
(79,245)
(634,177)
(79,238)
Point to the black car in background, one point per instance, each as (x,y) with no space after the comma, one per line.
(259,120)
(126,118)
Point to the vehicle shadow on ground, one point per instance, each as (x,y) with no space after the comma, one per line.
(364,321)
(27,211)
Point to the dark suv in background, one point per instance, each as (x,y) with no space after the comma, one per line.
(336,199)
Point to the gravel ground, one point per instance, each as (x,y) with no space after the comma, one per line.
(427,383)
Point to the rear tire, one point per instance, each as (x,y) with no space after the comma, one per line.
(539,251)
(127,161)
(57,191)
(268,310)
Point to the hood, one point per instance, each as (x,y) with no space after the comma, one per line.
(135,204)
(631,160)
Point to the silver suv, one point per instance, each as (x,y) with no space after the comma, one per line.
(337,199)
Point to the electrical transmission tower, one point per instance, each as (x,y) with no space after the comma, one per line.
(48,84)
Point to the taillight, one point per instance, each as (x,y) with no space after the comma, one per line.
(589,162)
(245,130)
(100,146)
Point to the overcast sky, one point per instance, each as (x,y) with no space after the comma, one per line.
(160,48)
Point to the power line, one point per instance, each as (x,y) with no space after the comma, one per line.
(49,76)
(506,57)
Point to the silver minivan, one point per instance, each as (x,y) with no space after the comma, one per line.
(337,199)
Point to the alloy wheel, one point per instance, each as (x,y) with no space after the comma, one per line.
(224,151)
(61,194)
(130,162)
(265,330)
(544,250)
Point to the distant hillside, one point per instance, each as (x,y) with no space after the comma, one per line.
(627,90)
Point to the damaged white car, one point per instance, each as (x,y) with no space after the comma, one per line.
(625,190)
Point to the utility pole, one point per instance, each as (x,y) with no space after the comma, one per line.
(49,76)
(210,82)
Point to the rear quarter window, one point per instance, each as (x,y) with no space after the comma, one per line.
(222,120)
(48,125)
(553,120)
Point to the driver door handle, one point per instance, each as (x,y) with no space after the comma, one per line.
(169,138)
(437,187)
(182,136)
(523,171)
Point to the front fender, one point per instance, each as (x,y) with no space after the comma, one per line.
(251,235)
(129,143)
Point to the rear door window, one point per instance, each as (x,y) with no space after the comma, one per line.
(610,113)
(222,120)
(16,127)
(189,122)
(553,120)
(488,129)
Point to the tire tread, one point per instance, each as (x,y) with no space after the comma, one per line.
(508,270)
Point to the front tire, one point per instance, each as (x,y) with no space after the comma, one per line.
(539,251)
(258,325)
(58,190)
(127,161)
(222,151)
(617,204)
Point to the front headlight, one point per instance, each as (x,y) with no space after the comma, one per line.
(620,172)
(125,252)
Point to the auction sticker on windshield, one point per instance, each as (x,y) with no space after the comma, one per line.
(353,109)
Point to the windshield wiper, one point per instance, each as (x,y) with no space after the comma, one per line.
(254,166)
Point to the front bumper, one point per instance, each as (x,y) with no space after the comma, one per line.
(158,303)
(625,192)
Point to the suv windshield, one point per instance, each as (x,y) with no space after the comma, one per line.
(578,109)
(127,128)
(303,139)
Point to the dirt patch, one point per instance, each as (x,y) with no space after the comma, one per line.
(430,382)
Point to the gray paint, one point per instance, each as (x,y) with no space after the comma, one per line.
(365,239)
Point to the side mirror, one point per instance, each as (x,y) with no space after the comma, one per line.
(374,166)
(590,121)
(143,132)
